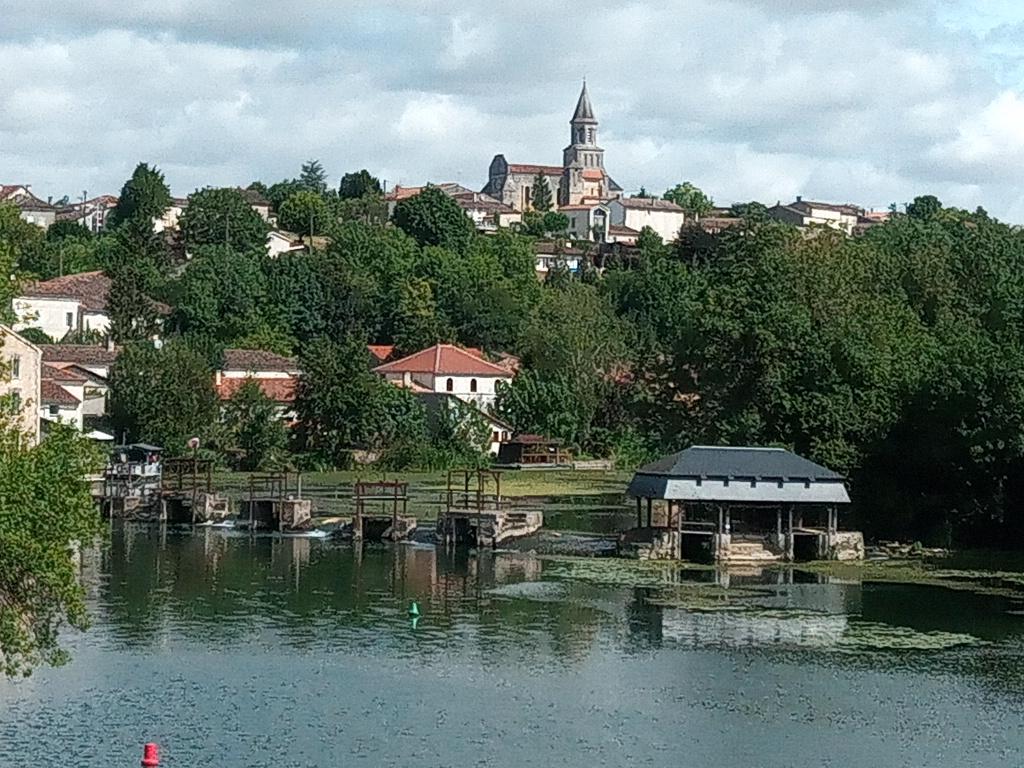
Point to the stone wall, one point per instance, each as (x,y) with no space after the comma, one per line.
(846,545)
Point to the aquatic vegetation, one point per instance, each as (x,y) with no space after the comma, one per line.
(618,572)
(1008,584)
(867,635)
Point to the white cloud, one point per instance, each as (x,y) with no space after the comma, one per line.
(751,99)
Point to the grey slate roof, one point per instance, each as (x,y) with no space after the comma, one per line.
(738,462)
(584,112)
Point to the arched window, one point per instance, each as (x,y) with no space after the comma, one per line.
(472,385)
(449,385)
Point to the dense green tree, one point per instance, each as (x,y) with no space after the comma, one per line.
(256,433)
(541,197)
(144,197)
(282,190)
(305,213)
(416,324)
(221,294)
(359,184)
(18,240)
(690,198)
(45,511)
(342,405)
(138,263)
(924,207)
(434,218)
(162,395)
(313,177)
(68,229)
(222,217)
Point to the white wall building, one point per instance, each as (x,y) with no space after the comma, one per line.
(20,378)
(64,304)
(448,369)
(805,213)
(663,216)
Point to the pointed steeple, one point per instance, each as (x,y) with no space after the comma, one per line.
(584,112)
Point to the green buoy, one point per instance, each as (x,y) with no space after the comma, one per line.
(414,609)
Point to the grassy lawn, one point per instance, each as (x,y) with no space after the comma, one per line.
(513,483)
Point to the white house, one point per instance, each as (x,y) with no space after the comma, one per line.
(70,303)
(170,217)
(91,214)
(279,241)
(487,212)
(62,396)
(90,358)
(31,208)
(20,379)
(276,375)
(804,213)
(587,221)
(448,369)
(550,254)
(663,216)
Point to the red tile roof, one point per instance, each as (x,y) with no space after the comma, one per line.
(381,351)
(80,354)
(593,174)
(278,390)
(64,375)
(91,289)
(52,393)
(257,360)
(444,359)
(649,203)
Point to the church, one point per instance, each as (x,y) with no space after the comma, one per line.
(581,178)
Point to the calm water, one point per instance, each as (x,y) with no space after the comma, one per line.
(233,652)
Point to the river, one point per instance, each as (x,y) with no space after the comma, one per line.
(233,652)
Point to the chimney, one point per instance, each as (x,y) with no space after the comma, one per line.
(799,199)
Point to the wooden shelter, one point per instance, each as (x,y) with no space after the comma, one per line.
(533,452)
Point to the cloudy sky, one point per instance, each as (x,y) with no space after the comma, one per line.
(873,103)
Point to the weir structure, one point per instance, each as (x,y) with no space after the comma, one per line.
(739,505)
(381,511)
(476,513)
(273,503)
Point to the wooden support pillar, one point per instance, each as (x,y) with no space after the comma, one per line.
(679,530)
(721,520)
(639,514)
(778,527)
(649,505)
(728,520)
(790,544)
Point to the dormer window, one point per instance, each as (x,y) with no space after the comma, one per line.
(449,385)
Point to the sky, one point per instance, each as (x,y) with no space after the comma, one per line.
(865,101)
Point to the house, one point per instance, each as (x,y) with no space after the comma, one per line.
(62,396)
(279,241)
(579,178)
(487,213)
(33,210)
(550,254)
(381,352)
(663,216)
(169,218)
(805,213)
(89,358)
(70,303)
(20,379)
(276,375)
(447,368)
(618,233)
(441,405)
(91,214)
(257,202)
(587,221)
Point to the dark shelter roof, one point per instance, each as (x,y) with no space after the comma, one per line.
(739,462)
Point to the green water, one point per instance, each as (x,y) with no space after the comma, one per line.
(233,652)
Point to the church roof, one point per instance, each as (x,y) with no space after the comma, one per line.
(546,170)
(584,112)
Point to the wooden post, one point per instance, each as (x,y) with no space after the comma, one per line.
(639,513)
(649,505)
(790,544)
(679,530)
(778,527)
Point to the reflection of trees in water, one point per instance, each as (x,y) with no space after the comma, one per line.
(222,588)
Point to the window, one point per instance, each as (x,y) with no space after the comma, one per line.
(16,367)
(15,400)
(494,437)
(472,385)
(449,385)
(527,197)
(55,410)
(69,319)
(590,135)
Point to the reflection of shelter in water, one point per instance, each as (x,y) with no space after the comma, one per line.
(736,504)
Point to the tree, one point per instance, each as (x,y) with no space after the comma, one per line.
(282,190)
(541,199)
(67,229)
(145,196)
(342,405)
(220,295)
(924,207)
(137,264)
(359,184)
(690,198)
(222,217)
(162,395)
(434,218)
(313,177)
(416,324)
(36,336)
(18,241)
(305,213)
(255,430)
(45,505)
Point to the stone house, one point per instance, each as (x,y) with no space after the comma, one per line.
(70,303)
(62,396)
(805,213)
(91,214)
(634,213)
(276,375)
(20,379)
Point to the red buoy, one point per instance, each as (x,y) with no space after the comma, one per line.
(150,755)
